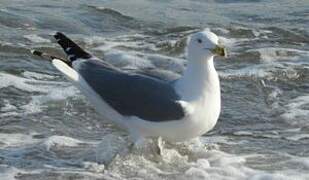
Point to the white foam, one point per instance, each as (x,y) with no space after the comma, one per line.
(252,71)
(271,54)
(134,41)
(243,133)
(222,30)
(298,137)
(53,94)
(210,164)
(192,161)
(49,90)
(61,141)
(7,114)
(7,106)
(228,42)
(94,167)
(234,44)
(127,60)
(294,113)
(174,65)
(36,38)
(35,75)
(18,82)
(8,173)
(13,140)
(213,140)
(109,147)
(135,60)
(302,162)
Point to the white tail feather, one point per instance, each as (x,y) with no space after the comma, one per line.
(70,73)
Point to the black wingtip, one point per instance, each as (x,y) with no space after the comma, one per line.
(59,35)
(37,53)
(48,56)
(71,48)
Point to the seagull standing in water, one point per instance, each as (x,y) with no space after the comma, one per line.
(147,106)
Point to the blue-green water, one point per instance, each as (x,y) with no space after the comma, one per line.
(48,130)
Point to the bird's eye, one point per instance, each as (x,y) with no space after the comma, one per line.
(199,41)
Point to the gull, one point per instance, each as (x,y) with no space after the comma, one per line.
(145,106)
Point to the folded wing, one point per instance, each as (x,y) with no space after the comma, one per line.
(138,95)
(132,94)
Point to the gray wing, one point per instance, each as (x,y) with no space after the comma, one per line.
(132,94)
(138,95)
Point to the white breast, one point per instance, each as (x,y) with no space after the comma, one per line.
(204,111)
(200,92)
(200,97)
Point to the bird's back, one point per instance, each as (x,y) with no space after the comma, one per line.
(132,94)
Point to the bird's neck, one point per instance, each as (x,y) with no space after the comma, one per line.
(200,80)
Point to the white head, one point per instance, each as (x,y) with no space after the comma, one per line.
(203,45)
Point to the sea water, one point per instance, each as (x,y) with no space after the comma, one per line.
(48,129)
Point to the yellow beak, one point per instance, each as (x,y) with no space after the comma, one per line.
(219,50)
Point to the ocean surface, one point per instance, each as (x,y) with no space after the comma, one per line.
(48,129)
